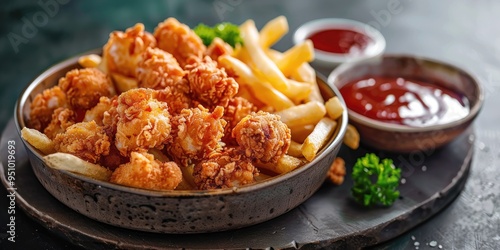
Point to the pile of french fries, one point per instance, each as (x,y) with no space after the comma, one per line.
(283,81)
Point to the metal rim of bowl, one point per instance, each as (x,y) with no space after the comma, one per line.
(474,110)
(313,26)
(20,123)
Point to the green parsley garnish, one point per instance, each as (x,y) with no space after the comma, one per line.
(375,181)
(228,32)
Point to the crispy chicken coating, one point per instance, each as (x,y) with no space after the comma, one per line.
(86,140)
(43,106)
(62,118)
(195,133)
(143,171)
(337,172)
(263,136)
(225,169)
(176,99)
(209,84)
(84,87)
(237,109)
(158,69)
(218,48)
(179,40)
(143,121)
(97,112)
(124,50)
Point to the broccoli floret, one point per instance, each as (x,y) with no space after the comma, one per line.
(228,32)
(375,181)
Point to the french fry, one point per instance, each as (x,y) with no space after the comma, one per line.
(295,149)
(285,164)
(264,64)
(103,65)
(304,73)
(303,114)
(187,182)
(334,108)
(300,133)
(69,162)
(262,91)
(124,83)
(90,61)
(317,139)
(273,31)
(38,140)
(298,91)
(351,137)
(296,56)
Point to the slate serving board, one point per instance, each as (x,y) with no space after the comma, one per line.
(329,218)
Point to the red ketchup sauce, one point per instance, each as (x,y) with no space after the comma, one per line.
(404,101)
(341,41)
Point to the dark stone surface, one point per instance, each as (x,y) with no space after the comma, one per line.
(461,32)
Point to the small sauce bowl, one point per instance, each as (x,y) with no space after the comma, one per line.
(337,40)
(407,138)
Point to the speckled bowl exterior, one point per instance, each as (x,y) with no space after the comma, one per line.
(177,211)
(401,138)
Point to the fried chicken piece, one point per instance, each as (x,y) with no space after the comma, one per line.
(43,106)
(336,173)
(209,84)
(218,48)
(263,137)
(225,169)
(84,87)
(176,99)
(62,118)
(143,171)
(124,50)
(237,109)
(195,133)
(179,40)
(110,118)
(143,121)
(86,140)
(114,159)
(158,69)
(97,112)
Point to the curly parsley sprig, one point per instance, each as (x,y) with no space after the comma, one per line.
(375,181)
(228,32)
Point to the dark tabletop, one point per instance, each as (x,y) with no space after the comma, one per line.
(36,34)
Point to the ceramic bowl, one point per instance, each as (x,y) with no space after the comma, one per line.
(176,211)
(327,59)
(402,138)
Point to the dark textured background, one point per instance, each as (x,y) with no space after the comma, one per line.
(461,32)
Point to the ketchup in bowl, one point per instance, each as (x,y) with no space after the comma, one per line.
(341,41)
(404,101)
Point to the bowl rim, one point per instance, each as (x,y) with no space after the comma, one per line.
(393,127)
(310,27)
(327,149)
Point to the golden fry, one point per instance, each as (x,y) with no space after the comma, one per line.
(317,139)
(261,90)
(351,138)
(264,64)
(296,56)
(69,162)
(285,164)
(300,133)
(304,114)
(295,149)
(273,31)
(334,108)
(38,140)
(123,83)
(90,61)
